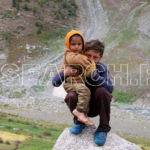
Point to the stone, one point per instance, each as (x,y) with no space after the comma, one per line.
(84,141)
(3,56)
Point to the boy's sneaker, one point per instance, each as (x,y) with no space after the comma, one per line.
(77,128)
(100,138)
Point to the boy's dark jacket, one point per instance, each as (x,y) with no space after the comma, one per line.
(100,78)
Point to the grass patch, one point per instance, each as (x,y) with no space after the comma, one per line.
(54,39)
(39,135)
(17,94)
(26,7)
(126,34)
(27,129)
(7,35)
(39,25)
(115,105)
(8,14)
(7,147)
(123,97)
(38,144)
(69,9)
(121,37)
(13,92)
(64,4)
(143,143)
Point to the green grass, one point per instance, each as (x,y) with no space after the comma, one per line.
(123,36)
(43,134)
(8,14)
(123,97)
(17,94)
(143,143)
(54,39)
(93,2)
(38,144)
(115,105)
(6,35)
(26,7)
(13,93)
(19,127)
(6,147)
(64,4)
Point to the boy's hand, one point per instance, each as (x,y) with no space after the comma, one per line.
(90,68)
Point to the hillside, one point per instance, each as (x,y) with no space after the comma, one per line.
(31,28)
(128,46)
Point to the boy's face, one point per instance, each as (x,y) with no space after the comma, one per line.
(93,56)
(76,44)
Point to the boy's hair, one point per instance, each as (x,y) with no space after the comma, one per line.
(96,45)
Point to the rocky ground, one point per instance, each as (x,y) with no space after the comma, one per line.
(113,142)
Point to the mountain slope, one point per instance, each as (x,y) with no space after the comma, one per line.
(127,44)
(29,23)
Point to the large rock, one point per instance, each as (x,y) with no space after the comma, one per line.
(84,141)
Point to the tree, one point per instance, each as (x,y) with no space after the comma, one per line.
(13,3)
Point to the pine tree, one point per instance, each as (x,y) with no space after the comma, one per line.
(17,6)
(13,3)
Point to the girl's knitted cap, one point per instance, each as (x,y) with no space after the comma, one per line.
(69,35)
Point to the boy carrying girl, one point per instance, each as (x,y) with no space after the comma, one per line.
(100,86)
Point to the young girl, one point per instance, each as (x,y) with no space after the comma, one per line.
(73,56)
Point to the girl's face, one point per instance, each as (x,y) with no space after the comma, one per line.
(76,44)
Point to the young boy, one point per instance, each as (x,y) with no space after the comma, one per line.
(101,93)
(73,56)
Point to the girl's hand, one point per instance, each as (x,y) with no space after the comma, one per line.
(90,68)
(69,71)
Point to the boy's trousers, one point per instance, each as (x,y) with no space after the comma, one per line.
(99,105)
(83,95)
